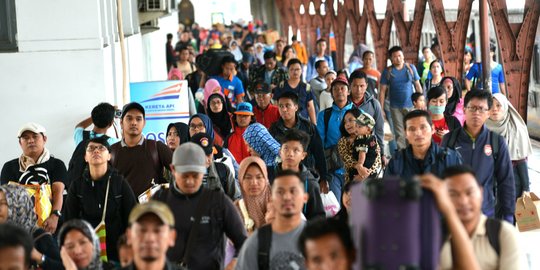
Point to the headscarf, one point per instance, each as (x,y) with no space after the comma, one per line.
(208,89)
(222,120)
(207,123)
(358,53)
(20,207)
(512,128)
(236,52)
(455,98)
(258,138)
(182,129)
(86,229)
(256,205)
(177,72)
(259,55)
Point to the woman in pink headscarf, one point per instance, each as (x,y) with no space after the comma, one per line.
(211,87)
(175,74)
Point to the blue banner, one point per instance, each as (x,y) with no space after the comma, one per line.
(164,102)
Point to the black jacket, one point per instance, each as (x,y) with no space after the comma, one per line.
(315,158)
(45,244)
(85,201)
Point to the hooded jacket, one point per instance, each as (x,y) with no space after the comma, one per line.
(227,184)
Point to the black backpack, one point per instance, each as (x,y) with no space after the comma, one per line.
(77,164)
(210,61)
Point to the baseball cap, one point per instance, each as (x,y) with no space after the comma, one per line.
(364,119)
(31,126)
(206,142)
(161,210)
(130,106)
(262,88)
(340,79)
(244,108)
(189,157)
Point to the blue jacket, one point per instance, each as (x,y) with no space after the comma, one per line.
(336,117)
(437,159)
(487,170)
(311,72)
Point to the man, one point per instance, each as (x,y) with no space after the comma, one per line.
(184,40)
(102,117)
(190,201)
(293,150)
(230,84)
(423,67)
(372,74)
(139,160)
(319,55)
(300,50)
(328,128)
(290,119)
(36,166)
(245,70)
(422,155)
(278,248)
(318,84)
(399,80)
(266,113)
(269,73)
(170,53)
(303,90)
(487,153)
(151,233)
(217,175)
(15,247)
(364,101)
(497,75)
(466,195)
(327,244)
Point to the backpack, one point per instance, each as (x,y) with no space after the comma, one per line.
(264,237)
(77,164)
(493,229)
(210,61)
(389,72)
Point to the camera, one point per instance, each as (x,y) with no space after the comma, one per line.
(118,113)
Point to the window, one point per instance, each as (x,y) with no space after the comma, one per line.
(8,26)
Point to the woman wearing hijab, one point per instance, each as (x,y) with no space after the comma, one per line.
(355,60)
(17,209)
(217,111)
(177,134)
(235,50)
(211,87)
(263,145)
(175,74)
(455,103)
(506,121)
(101,195)
(80,246)
(259,53)
(256,193)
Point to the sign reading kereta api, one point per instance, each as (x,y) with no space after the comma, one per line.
(164,102)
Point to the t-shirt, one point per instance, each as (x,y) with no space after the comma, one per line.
(284,253)
(230,88)
(400,85)
(439,125)
(51,171)
(78,136)
(497,76)
(304,93)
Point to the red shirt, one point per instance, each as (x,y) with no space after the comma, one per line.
(236,144)
(266,117)
(439,125)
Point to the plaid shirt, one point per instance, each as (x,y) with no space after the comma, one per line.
(258,73)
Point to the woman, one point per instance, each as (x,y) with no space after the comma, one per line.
(288,54)
(454,106)
(101,192)
(177,134)
(235,50)
(443,123)
(326,98)
(242,118)
(259,53)
(468,62)
(80,246)
(262,144)
(256,193)
(218,112)
(436,71)
(348,131)
(211,87)
(506,121)
(17,208)
(175,74)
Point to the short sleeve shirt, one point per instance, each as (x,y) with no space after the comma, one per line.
(305,95)
(230,88)
(51,171)
(78,136)
(400,85)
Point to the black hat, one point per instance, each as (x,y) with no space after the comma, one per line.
(130,106)
(206,142)
(263,88)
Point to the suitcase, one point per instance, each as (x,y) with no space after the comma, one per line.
(395,225)
(210,61)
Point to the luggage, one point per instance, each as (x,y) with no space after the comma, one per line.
(210,61)
(395,225)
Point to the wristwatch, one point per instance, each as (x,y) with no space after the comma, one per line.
(57,213)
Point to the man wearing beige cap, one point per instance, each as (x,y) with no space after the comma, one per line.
(36,166)
(204,215)
(151,233)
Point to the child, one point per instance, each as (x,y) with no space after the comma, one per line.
(418,101)
(366,149)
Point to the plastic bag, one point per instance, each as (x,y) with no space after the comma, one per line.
(330,203)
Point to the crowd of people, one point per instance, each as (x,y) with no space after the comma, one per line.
(239,185)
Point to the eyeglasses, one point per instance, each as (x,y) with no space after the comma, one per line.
(92,148)
(477,109)
(199,126)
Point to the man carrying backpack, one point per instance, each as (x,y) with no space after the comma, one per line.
(487,153)
(399,80)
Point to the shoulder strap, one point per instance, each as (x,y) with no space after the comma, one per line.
(264,235)
(327,114)
(494,144)
(115,149)
(451,143)
(106,199)
(493,228)
(204,201)
(85,135)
